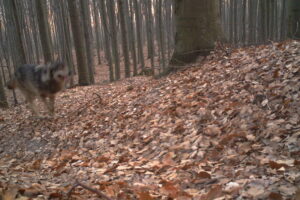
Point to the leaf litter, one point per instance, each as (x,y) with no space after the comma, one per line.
(227,128)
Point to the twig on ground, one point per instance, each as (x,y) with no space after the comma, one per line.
(77,183)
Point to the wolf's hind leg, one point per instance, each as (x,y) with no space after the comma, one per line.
(30,101)
(49,105)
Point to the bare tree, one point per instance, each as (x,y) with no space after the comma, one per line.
(139,34)
(80,49)
(149,24)
(294,19)
(161,38)
(114,38)
(132,37)
(44,29)
(103,14)
(88,37)
(97,29)
(197,29)
(3,100)
(14,32)
(124,37)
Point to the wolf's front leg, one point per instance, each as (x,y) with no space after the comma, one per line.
(51,105)
(30,101)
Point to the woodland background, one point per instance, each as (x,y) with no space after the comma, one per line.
(225,124)
(109,40)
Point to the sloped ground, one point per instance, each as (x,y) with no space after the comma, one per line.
(227,128)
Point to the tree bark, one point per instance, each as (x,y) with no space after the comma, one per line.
(78,36)
(97,30)
(88,38)
(139,33)
(14,31)
(103,14)
(149,24)
(294,19)
(132,38)
(3,100)
(161,36)
(114,37)
(124,37)
(44,29)
(197,29)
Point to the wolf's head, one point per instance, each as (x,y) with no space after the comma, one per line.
(59,72)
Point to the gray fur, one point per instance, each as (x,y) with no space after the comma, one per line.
(40,81)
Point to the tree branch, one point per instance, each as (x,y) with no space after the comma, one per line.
(77,183)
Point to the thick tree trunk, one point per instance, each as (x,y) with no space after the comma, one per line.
(78,36)
(197,29)
(114,36)
(294,19)
(86,18)
(14,31)
(44,29)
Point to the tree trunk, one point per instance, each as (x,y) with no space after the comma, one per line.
(14,31)
(3,100)
(132,38)
(114,36)
(86,18)
(149,24)
(97,30)
(124,38)
(78,36)
(103,14)
(197,29)
(294,19)
(139,33)
(161,36)
(44,29)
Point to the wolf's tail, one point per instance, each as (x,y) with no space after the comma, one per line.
(12,84)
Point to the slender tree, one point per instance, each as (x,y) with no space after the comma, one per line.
(3,100)
(97,30)
(139,33)
(103,14)
(124,37)
(149,24)
(161,36)
(132,37)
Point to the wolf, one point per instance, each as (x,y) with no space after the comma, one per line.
(42,81)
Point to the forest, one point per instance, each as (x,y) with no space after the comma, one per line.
(149,99)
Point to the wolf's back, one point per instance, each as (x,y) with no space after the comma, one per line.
(23,74)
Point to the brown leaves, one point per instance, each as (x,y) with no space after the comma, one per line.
(223,130)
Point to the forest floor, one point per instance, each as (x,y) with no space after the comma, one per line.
(225,128)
